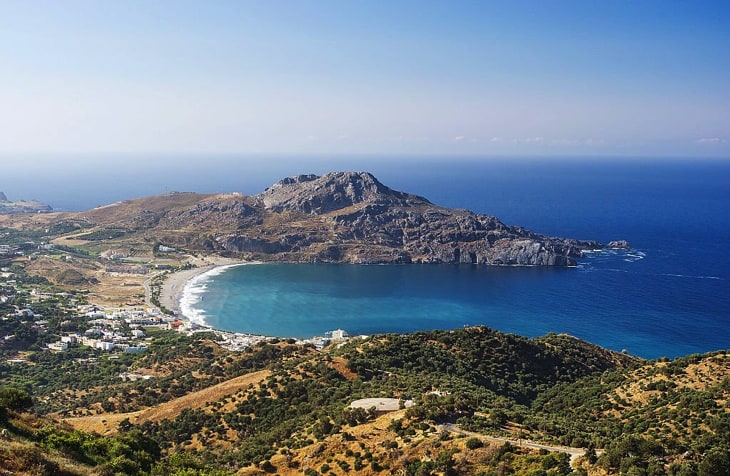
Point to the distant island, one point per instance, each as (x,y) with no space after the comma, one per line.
(22,206)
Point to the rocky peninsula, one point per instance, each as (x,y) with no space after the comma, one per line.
(360,220)
(22,206)
(340,217)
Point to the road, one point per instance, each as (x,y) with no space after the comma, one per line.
(573,452)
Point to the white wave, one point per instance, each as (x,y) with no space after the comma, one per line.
(628,256)
(634,256)
(194,292)
(691,276)
(219,270)
(192,295)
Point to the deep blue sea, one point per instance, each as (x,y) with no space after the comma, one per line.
(669,296)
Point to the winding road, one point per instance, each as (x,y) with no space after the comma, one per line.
(573,452)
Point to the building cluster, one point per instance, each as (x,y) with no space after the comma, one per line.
(319,343)
(29,248)
(9,251)
(109,329)
(119,330)
(113,329)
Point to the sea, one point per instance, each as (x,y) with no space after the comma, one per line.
(668,296)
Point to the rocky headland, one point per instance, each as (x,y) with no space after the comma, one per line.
(22,206)
(341,217)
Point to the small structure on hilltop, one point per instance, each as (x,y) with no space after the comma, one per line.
(382,405)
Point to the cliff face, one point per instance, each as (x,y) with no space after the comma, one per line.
(368,222)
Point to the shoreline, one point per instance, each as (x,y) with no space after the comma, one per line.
(173,287)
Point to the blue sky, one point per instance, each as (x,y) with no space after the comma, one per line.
(482,78)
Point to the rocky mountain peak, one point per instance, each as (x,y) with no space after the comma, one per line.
(333,191)
(340,217)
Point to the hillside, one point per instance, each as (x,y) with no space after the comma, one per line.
(282,408)
(684,405)
(484,402)
(339,217)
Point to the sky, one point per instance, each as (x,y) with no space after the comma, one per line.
(81,80)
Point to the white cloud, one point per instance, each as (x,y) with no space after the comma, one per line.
(578,142)
(710,140)
(530,140)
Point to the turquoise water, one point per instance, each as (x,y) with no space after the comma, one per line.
(669,296)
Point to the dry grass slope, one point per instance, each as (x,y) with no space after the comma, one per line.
(106,424)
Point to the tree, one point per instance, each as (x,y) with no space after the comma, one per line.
(15,399)
(715,463)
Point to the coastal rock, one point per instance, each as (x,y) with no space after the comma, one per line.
(3,198)
(619,244)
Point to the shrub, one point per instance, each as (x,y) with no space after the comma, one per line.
(15,399)
(474,443)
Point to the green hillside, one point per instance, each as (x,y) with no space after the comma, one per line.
(281,408)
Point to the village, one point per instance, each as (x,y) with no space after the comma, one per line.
(64,320)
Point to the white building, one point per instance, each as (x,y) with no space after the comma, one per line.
(59,346)
(70,339)
(104,345)
(339,334)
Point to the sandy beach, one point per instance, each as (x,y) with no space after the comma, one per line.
(175,283)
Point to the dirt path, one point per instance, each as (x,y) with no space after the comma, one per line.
(573,452)
(108,423)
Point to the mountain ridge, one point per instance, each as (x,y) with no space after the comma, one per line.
(339,217)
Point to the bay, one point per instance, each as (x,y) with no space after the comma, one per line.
(668,296)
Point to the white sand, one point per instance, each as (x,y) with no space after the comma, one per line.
(174,284)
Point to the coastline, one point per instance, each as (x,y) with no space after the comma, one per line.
(174,285)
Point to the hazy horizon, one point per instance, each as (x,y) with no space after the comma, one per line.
(325,78)
(90,183)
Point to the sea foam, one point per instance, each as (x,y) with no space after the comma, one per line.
(194,292)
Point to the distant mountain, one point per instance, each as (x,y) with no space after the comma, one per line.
(339,217)
(22,206)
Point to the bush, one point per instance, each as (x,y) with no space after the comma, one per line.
(474,443)
(31,460)
(15,399)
